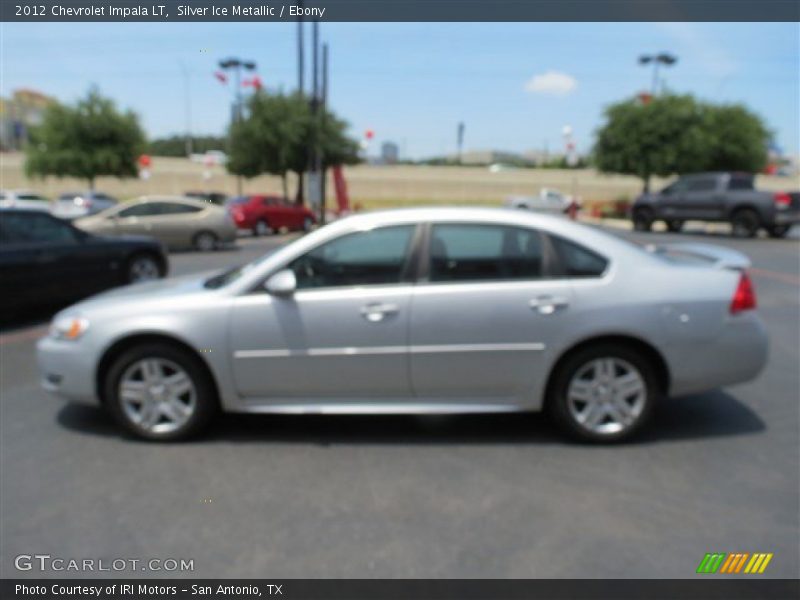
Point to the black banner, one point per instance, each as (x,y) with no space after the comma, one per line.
(415,589)
(400,10)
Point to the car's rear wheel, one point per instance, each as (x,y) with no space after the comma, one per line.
(778,231)
(205,241)
(643,219)
(745,223)
(604,393)
(143,267)
(674,225)
(160,392)
(261,228)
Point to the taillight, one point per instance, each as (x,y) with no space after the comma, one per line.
(744,298)
(782,200)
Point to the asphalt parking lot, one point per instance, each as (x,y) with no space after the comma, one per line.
(471,496)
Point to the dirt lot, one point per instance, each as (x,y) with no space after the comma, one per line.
(371,186)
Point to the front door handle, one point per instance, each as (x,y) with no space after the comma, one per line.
(377,311)
(547,305)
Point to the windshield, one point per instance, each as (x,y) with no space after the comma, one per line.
(231,274)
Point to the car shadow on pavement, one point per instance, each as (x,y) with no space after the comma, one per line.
(714,414)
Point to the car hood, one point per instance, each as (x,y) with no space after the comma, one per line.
(139,294)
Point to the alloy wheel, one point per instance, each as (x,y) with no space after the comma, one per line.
(606,396)
(157,395)
(143,269)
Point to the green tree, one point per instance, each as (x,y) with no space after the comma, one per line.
(276,135)
(88,140)
(678,134)
(175,145)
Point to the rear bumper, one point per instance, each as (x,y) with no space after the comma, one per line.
(738,354)
(786,217)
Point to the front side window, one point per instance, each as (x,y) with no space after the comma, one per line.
(466,252)
(578,261)
(704,184)
(370,257)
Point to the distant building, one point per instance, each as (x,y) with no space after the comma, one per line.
(25,109)
(390,153)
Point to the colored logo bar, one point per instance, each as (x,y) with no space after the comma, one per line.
(734,562)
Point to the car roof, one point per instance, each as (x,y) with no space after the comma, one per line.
(176,199)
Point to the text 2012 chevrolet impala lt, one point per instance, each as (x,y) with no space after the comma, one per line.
(419,311)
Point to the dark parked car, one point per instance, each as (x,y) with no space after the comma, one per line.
(213,197)
(47,261)
(730,197)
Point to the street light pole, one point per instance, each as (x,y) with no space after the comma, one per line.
(236,65)
(663,58)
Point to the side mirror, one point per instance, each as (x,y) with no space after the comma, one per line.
(282,283)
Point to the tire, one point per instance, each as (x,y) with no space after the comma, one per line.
(154,412)
(778,231)
(308,224)
(261,228)
(143,267)
(204,241)
(674,225)
(593,373)
(643,219)
(745,223)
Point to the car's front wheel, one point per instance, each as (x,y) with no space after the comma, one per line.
(261,228)
(643,219)
(143,267)
(604,393)
(160,392)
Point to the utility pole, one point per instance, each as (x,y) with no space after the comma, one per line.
(188,108)
(236,65)
(324,103)
(300,61)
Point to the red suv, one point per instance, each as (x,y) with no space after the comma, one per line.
(265,214)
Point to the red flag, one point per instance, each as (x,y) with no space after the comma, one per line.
(221,76)
(254,81)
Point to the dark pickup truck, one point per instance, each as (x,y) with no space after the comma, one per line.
(729,197)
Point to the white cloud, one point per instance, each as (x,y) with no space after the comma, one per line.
(552,83)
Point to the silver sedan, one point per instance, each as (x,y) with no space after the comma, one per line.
(419,311)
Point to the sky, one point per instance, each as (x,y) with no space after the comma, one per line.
(514,85)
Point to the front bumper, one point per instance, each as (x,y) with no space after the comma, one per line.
(66,369)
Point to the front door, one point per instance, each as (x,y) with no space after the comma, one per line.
(343,334)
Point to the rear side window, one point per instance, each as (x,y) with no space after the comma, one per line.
(577,261)
(739,182)
(170,208)
(466,252)
(370,257)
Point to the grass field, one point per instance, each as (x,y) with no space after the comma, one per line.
(369,186)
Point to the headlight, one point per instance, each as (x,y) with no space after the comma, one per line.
(68,327)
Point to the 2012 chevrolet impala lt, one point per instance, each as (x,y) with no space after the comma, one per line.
(419,311)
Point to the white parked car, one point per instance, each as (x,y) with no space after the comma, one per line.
(548,201)
(24,199)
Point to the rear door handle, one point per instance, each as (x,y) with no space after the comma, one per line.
(377,311)
(547,305)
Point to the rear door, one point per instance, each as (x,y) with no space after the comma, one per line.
(484,313)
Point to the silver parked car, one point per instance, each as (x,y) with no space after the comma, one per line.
(419,311)
(74,205)
(176,221)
